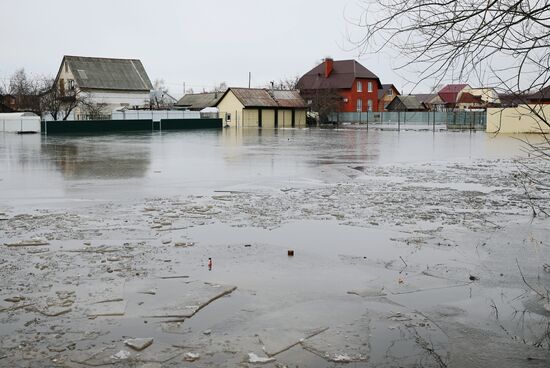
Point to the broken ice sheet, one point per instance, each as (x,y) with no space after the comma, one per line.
(156,353)
(344,343)
(102,299)
(175,298)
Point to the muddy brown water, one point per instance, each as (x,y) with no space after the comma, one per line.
(387,229)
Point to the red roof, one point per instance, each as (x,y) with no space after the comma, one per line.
(469,98)
(449,93)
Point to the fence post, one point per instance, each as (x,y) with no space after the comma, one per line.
(398,121)
(367,120)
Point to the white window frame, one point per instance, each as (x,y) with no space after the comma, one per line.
(359,86)
(369,105)
(359,105)
(369,87)
(390,92)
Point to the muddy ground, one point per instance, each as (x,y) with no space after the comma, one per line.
(410,249)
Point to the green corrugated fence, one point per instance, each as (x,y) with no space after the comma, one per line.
(105,126)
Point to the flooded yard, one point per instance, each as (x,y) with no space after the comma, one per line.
(411,249)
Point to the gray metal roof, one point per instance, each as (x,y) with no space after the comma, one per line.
(109,74)
(405,103)
(260,97)
(200,100)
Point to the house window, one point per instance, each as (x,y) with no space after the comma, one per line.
(369,87)
(359,86)
(345,100)
(71,84)
(390,92)
(228,116)
(359,105)
(309,102)
(369,105)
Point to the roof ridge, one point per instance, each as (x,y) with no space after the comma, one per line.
(99,57)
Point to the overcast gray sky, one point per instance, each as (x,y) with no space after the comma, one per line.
(200,42)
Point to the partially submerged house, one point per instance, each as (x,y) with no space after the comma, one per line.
(406,103)
(431,101)
(356,86)
(385,95)
(468,101)
(450,94)
(104,83)
(259,107)
(199,101)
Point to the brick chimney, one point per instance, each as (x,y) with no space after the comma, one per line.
(328,66)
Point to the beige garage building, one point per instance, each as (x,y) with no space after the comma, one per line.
(258,107)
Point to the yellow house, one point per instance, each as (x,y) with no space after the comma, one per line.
(258,107)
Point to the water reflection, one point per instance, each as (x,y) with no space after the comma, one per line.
(100,157)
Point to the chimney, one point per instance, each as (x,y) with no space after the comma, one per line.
(328,66)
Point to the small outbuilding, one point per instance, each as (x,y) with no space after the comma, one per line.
(406,103)
(198,101)
(259,107)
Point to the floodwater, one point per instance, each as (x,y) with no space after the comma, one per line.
(57,169)
(411,248)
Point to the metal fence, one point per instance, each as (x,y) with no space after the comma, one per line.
(155,115)
(460,120)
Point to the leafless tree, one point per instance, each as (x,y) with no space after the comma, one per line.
(57,100)
(160,96)
(324,102)
(504,44)
(222,87)
(93,110)
(26,91)
(285,84)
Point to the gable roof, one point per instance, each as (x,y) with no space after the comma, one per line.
(200,100)
(344,73)
(425,97)
(385,88)
(405,103)
(449,93)
(260,97)
(108,73)
(469,98)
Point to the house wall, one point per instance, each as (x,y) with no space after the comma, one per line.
(488,95)
(268,118)
(250,118)
(386,99)
(300,119)
(111,98)
(285,118)
(231,105)
(521,119)
(352,95)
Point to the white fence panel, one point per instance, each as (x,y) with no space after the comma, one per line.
(23,124)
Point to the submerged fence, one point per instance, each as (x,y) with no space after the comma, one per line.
(460,120)
(134,125)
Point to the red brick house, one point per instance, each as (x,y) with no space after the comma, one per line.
(355,87)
